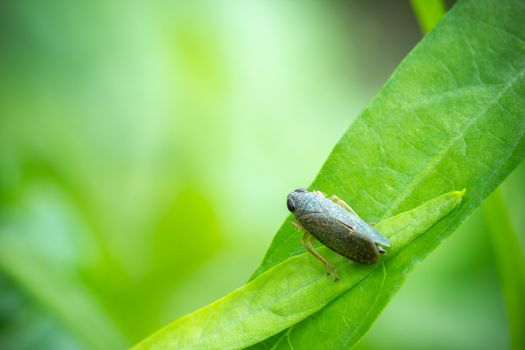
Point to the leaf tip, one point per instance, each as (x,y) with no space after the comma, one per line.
(459,196)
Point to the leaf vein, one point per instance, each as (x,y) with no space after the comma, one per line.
(448,146)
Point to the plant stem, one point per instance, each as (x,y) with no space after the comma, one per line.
(510,263)
(428,13)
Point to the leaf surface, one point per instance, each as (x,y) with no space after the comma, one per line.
(282,296)
(451,116)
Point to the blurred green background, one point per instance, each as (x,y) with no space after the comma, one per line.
(146,149)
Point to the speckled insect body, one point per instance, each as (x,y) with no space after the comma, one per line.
(336,225)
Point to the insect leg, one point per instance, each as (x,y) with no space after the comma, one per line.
(308,246)
(298,225)
(327,265)
(303,240)
(343,204)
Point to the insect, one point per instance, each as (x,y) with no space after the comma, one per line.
(335,224)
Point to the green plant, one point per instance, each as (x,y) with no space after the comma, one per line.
(511,264)
(450,117)
(266,304)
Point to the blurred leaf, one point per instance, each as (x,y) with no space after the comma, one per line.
(260,308)
(122,116)
(428,13)
(178,249)
(24,326)
(459,94)
(38,253)
(511,265)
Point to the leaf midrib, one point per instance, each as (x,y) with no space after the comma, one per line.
(430,166)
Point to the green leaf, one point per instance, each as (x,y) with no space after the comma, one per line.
(511,264)
(267,305)
(428,13)
(451,116)
(459,93)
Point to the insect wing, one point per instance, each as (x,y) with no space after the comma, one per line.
(360,246)
(354,222)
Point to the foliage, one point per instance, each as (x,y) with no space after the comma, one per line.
(428,13)
(282,296)
(511,264)
(146,148)
(458,93)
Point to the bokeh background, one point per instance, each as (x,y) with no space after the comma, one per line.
(146,149)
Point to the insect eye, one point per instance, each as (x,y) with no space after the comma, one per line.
(301,190)
(290,204)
